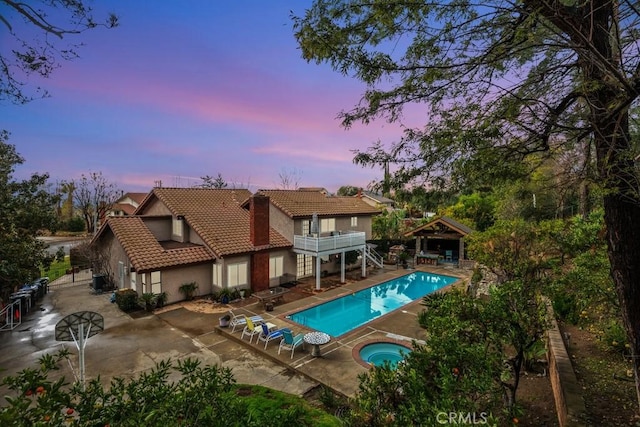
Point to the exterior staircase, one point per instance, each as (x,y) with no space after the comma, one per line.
(374,257)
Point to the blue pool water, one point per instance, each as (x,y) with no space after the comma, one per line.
(346,313)
(381,352)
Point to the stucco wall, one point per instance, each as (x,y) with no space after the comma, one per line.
(172,280)
(281,222)
(159,227)
(155,207)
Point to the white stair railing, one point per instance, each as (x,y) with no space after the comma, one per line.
(374,256)
(12,315)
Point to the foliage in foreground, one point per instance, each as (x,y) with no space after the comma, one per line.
(25,209)
(202,395)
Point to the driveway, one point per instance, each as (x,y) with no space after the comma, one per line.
(131,345)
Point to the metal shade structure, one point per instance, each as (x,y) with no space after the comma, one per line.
(79,327)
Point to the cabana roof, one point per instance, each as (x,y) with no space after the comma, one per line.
(442,227)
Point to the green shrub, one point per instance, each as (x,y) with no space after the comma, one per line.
(565,307)
(127,300)
(188,289)
(614,337)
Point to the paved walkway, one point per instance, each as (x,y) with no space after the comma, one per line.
(130,345)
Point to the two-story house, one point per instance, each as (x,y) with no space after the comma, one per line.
(323,229)
(221,238)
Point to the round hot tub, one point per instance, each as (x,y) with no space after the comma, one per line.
(378,353)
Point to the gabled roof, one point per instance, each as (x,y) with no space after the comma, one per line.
(443,221)
(145,252)
(216,215)
(123,207)
(377,197)
(302,203)
(136,197)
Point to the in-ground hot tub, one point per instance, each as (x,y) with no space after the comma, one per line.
(377,353)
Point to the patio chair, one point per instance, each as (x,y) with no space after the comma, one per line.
(250,330)
(239,320)
(266,335)
(290,342)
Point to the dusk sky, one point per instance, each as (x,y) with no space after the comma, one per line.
(181,90)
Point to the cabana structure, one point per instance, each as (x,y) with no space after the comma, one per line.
(441,241)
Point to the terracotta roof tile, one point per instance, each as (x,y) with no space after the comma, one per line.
(217,216)
(304,203)
(145,252)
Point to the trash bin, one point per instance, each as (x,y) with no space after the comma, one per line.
(99,282)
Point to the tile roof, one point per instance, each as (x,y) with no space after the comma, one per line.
(216,215)
(447,222)
(145,252)
(303,203)
(377,197)
(136,197)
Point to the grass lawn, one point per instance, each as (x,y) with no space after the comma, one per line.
(57,269)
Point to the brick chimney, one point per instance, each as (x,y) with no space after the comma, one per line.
(259,211)
(259,235)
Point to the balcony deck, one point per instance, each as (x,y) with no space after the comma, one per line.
(329,244)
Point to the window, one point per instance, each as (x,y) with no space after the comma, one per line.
(354,221)
(327,225)
(237,274)
(143,282)
(176,227)
(156,283)
(216,278)
(133,280)
(276,266)
(306,227)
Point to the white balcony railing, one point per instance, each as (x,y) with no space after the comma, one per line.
(343,240)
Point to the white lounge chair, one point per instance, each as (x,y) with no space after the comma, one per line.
(239,320)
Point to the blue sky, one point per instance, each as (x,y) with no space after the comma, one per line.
(185,89)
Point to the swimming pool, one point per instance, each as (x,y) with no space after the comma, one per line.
(348,312)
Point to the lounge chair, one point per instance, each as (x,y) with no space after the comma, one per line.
(266,335)
(250,330)
(239,320)
(290,342)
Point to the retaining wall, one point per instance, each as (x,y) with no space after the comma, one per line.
(566,390)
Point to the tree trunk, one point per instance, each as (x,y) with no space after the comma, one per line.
(608,98)
(623,235)
(621,215)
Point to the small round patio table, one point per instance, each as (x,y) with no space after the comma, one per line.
(316,339)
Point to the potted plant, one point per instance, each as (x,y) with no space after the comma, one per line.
(404,258)
(224,320)
(225,296)
(188,289)
(148,300)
